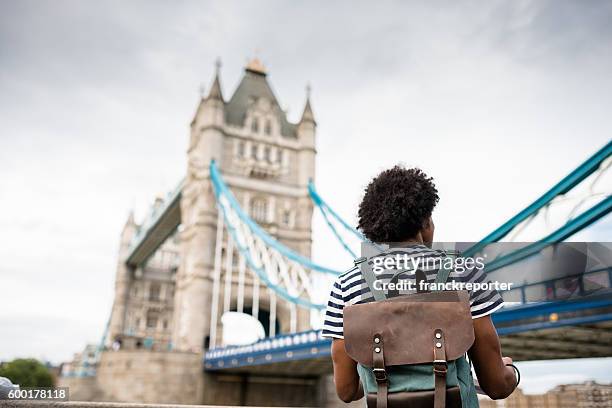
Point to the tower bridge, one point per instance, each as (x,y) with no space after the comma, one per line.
(235,236)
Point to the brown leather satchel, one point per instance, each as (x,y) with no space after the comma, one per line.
(421,328)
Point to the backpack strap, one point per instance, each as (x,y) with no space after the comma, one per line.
(380,372)
(440,368)
(369,277)
(445,270)
(440,365)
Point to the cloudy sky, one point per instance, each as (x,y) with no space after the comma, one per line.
(496,100)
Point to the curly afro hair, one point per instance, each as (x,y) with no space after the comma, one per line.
(396,204)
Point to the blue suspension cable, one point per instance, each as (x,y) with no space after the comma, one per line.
(221,189)
(335,232)
(325,209)
(318,200)
(259,271)
(566,184)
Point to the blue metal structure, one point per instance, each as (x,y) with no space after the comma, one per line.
(327,212)
(566,184)
(525,317)
(574,225)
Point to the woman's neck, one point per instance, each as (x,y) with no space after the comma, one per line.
(417,239)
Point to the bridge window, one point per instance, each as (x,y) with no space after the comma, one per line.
(259,209)
(241,149)
(268,154)
(286,220)
(154,291)
(152,319)
(254,125)
(268,127)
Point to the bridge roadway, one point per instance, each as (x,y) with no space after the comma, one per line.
(561,329)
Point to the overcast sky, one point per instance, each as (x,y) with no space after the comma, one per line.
(496,100)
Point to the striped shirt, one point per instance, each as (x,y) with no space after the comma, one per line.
(351,288)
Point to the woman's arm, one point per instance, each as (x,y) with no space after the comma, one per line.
(348,386)
(494,377)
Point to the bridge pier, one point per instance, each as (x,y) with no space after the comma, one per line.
(172,377)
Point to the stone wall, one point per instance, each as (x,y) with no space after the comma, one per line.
(254,390)
(144,376)
(141,376)
(82,388)
(151,376)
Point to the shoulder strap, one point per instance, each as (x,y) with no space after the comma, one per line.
(368,275)
(446,267)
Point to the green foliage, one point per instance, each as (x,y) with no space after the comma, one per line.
(27,373)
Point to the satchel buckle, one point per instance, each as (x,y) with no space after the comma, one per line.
(380,374)
(440,367)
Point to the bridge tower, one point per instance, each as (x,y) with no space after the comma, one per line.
(267,162)
(122,281)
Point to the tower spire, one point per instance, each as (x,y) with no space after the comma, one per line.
(215,89)
(255,65)
(308,115)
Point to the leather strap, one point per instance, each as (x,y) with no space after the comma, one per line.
(380,373)
(440,368)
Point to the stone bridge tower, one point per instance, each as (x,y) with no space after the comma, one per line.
(267,162)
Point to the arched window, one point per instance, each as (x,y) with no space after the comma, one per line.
(154,291)
(241,149)
(286,218)
(268,154)
(259,209)
(152,317)
(254,125)
(268,127)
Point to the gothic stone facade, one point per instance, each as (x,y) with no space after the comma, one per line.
(267,161)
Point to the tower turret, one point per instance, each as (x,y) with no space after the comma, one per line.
(208,121)
(212,106)
(307,114)
(122,281)
(306,132)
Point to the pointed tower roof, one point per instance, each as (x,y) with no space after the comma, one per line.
(254,85)
(215,89)
(130,220)
(308,115)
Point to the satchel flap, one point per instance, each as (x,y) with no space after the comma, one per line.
(407,325)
